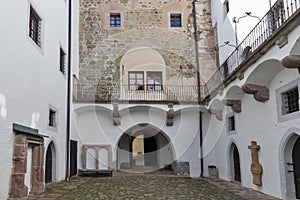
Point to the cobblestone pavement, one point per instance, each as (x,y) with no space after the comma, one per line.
(152,186)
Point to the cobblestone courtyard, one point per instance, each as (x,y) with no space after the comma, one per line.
(132,186)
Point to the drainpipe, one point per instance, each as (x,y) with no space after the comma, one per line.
(198,85)
(67,177)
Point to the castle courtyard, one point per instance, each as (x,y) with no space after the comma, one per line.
(147,186)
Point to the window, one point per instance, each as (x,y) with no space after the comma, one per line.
(290,101)
(175,20)
(52,118)
(287,98)
(154,81)
(231,124)
(226,6)
(136,80)
(35,27)
(62,61)
(115,20)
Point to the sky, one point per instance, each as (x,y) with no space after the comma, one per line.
(257,8)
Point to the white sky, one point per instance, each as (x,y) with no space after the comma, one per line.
(239,7)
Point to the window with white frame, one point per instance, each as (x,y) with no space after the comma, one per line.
(35,24)
(62,61)
(226,6)
(287,98)
(154,80)
(290,101)
(136,80)
(230,124)
(115,20)
(53,119)
(175,20)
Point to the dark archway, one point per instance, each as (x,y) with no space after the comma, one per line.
(154,152)
(48,166)
(235,163)
(296,166)
(150,150)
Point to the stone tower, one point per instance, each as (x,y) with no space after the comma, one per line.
(118,36)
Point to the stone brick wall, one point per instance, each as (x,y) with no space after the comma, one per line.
(144,23)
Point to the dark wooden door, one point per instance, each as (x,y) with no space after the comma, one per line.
(73,158)
(150,151)
(296,164)
(48,167)
(236,163)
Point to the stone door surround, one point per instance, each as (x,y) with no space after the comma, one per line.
(25,136)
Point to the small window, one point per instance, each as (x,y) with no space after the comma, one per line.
(62,61)
(287,100)
(226,6)
(175,20)
(52,118)
(35,27)
(154,80)
(115,20)
(290,101)
(136,80)
(231,123)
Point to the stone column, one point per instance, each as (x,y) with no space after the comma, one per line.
(18,189)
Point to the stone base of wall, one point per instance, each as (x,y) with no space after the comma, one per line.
(181,168)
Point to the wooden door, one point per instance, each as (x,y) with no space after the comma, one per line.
(73,158)
(236,163)
(48,167)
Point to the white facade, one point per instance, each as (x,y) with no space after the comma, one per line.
(237,9)
(31,81)
(94,125)
(32,84)
(262,122)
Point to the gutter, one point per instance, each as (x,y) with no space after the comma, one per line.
(199,86)
(67,176)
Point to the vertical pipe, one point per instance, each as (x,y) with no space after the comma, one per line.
(67,177)
(198,84)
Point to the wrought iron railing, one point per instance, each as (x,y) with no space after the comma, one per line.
(117,92)
(280,12)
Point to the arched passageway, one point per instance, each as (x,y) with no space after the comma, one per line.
(235,163)
(144,148)
(50,163)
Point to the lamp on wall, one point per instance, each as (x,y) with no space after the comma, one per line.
(236,20)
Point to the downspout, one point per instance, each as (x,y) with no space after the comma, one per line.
(198,85)
(67,177)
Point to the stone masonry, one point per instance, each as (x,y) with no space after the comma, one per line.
(144,23)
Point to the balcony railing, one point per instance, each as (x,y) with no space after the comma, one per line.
(115,92)
(280,12)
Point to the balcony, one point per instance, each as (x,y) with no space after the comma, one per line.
(106,93)
(279,20)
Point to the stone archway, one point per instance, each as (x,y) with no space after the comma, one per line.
(144,148)
(290,163)
(50,163)
(235,165)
